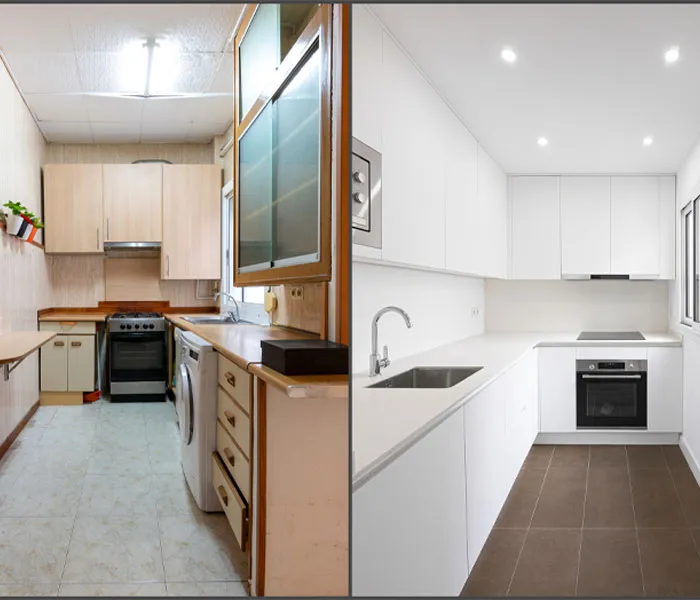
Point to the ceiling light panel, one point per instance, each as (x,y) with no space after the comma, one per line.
(45,72)
(58,107)
(117,109)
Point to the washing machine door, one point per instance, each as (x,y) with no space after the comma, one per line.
(185,402)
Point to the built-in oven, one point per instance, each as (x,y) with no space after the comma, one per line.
(138,357)
(611,394)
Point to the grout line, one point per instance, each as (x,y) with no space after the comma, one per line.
(529,526)
(685,514)
(634,515)
(583,520)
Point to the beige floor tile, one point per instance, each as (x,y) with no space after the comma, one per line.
(42,494)
(114,550)
(172,495)
(112,461)
(93,590)
(29,589)
(230,589)
(117,496)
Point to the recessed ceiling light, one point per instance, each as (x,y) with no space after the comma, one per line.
(542,141)
(672,55)
(509,55)
(648,141)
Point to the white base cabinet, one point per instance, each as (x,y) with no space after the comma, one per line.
(409,522)
(665,390)
(557,390)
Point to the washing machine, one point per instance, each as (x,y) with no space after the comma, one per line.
(196,410)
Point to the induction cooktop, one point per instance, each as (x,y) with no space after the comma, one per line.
(623,336)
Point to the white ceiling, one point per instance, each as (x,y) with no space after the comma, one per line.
(68,61)
(591,78)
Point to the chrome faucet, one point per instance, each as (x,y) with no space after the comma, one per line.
(237,316)
(376,364)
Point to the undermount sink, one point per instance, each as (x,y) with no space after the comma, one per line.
(215,320)
(428,377)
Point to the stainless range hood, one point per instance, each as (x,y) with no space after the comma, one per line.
(608,276)
(131,246)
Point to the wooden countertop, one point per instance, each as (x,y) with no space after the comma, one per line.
(241,345)
(17,345)
(77,317)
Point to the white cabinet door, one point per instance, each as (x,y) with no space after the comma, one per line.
(366,77)
(409,522)
(492,190)
(54,365)
(535,231)
(634,228)
(463,214)
(585,225)
(557,385)
(667,227)
(81,363)
(486,460)
(665,389)
(413,164)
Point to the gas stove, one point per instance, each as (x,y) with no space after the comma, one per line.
(136,321)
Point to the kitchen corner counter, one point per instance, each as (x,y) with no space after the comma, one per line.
(241,345)
(386,422)
(75,317)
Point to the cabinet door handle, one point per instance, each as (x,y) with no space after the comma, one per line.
(230,457)
(223,494)
(76,344)
(230,418)
(167,262)
(59,344)
(230,378)
(108,229)
(98,238)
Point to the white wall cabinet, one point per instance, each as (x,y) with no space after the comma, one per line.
(409,521)
(557,390)
(535,228)
(493,205)
(634,226)
(667,224)
(665,389)
(585,225)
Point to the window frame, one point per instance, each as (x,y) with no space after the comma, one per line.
(318,31)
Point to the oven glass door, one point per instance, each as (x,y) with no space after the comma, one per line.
(611,400)
(137,357)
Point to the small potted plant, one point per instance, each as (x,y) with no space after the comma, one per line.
(25,228)
(37,224)
(14,221)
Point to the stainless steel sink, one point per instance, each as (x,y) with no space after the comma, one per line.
(215,320)
(428,377)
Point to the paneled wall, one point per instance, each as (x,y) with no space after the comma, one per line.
(24,276)
(128,153)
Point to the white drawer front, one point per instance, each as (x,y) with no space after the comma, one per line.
(610,353)
(71,327)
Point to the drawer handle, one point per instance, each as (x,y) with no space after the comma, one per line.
(223,494)
(230,457)
(230,418)
(67,323)
(230,378)
(76,344)
(59,344)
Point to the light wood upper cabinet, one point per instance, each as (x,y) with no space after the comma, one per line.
(73,209)
(191,222)
(133,203)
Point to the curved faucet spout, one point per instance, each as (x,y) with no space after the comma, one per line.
(376,364)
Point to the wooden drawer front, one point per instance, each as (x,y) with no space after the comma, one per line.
(71,327)
(235,421)
(234,507)
(235,461)
(235,381)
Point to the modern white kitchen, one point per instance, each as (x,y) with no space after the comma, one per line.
(525,302)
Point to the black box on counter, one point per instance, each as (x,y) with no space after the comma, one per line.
(305,357)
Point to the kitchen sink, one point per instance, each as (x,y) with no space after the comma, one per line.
(428,377)
(215,320)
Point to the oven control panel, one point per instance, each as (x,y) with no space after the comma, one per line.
(611,366)
(366,195)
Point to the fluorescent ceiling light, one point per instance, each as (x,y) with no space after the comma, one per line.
(542,141)
(149,68)
(672,55)
(648,141)
(509,55)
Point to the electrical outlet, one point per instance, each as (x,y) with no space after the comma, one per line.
(475,311)
(297,292)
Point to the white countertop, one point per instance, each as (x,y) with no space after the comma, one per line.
(385,422)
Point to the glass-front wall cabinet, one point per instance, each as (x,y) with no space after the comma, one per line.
(283,145)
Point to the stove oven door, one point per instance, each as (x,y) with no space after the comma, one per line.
(138,362)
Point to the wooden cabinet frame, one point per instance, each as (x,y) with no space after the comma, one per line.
(318,31)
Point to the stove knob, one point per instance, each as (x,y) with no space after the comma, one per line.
(128,326)
(631,366)
(136,326)
(359,176)
(122,326)
(591,367)
(152,326)
(359,197)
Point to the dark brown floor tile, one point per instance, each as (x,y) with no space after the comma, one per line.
(539,456)
(656,503)
(609,564)
(548,563)
(670,562)
(494,569)
(561,500)
(689,493)
(646,457)
(674,456)
(609,498)
(570,456)
(696,535)
(608,456)
(520,504)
